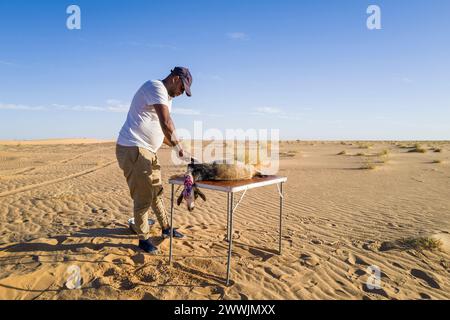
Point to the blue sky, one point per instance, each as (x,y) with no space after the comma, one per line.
(309,68)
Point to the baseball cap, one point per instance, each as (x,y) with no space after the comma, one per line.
(185,76)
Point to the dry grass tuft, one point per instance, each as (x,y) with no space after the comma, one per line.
(288,154)
(365,146)
(368,165)
(418,149)
(421,244)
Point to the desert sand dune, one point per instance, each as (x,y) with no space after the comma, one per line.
(67,204)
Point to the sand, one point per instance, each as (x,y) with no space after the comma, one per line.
(66,203)
(52,142)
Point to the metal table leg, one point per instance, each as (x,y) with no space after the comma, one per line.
(230,239)
(228,217)
(281,215)
(171,223)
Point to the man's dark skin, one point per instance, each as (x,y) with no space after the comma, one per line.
(175,88)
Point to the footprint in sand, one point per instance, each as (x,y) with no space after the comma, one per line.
(352,260)
(398,265)
(375,291)
(371,246)
(354,274)
(316,241)
(89,224)
(272,273)
(312,283)
(309,260)
(101,282)
(126,284)
(147,277)
(243,296)
(360,272)
(148,296)
(290,242)
(138,258)
(187,244)
(425,277)
(261,254)
(424,296)
(205,246)
(110,272)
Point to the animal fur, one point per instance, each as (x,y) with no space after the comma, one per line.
(216,171)
(221,171)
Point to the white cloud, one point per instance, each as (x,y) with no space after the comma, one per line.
(117,106)
(268,110)
(111,106)
(407,80)
(277,113)
(10,106)
(7,63)
(237,36)
(402,78)
(186,112)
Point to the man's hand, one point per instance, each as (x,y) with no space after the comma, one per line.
(167,142)
(184,155)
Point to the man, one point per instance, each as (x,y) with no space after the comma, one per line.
(147,127)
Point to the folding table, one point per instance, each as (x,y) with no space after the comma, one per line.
(230,187)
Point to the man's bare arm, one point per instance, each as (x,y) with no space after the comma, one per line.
(167,125)
(167,142)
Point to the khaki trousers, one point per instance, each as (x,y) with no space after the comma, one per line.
(142,170)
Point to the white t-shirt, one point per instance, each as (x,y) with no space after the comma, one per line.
(142,127)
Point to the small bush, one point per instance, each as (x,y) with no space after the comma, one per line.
(368,166)
(342,153)
(365,146)
(421,244)
(418,149)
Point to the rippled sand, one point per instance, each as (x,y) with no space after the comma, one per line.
(64,204)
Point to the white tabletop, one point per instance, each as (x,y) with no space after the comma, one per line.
(233,186)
